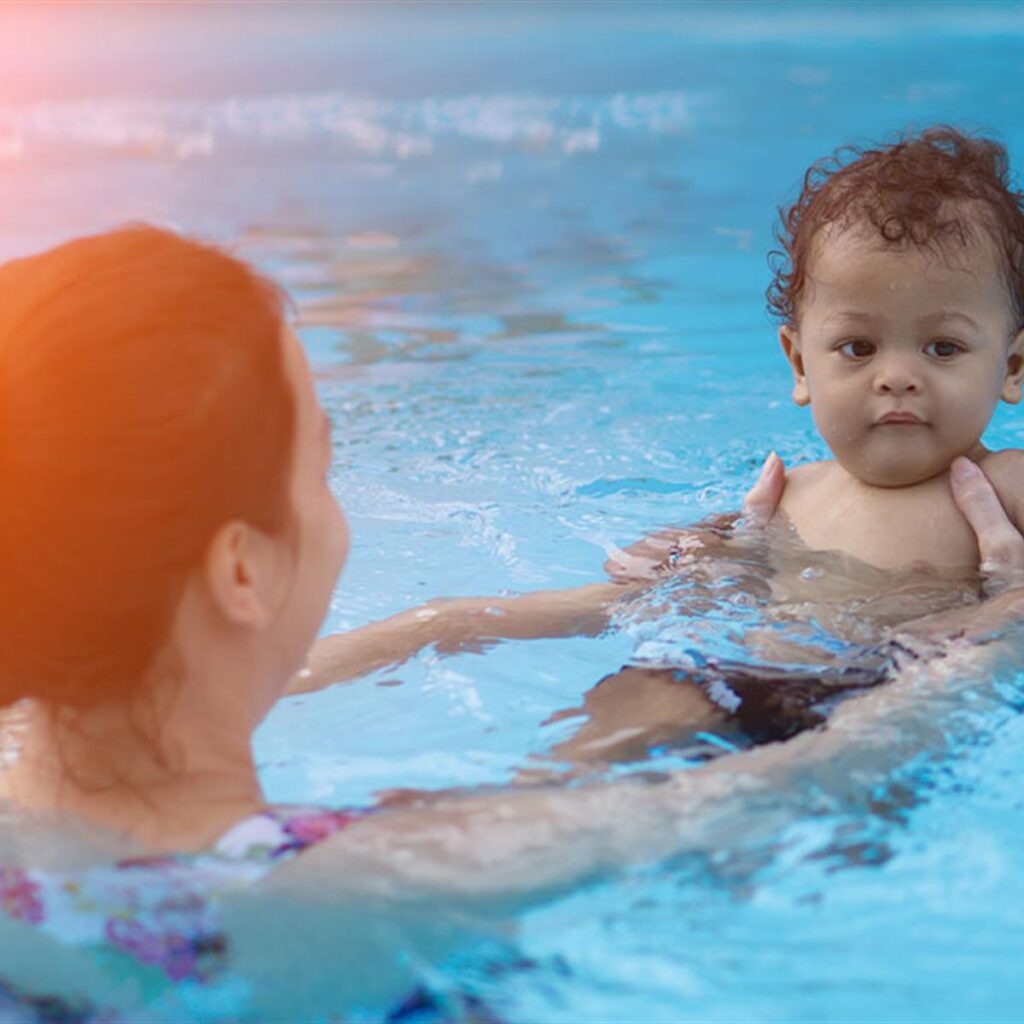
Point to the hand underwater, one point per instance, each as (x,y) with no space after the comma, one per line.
(673,550)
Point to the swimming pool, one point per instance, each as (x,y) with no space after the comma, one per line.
(527,246)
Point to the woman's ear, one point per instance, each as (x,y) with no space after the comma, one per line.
(237,570)
(1012,382)
(789,338)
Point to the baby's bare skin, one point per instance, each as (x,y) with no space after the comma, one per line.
(902,357)
(894,527)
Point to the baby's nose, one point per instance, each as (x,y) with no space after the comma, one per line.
(896,377)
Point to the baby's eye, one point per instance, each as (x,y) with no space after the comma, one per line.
(942,349)
(859,348)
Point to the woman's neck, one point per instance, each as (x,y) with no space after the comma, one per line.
(177,788)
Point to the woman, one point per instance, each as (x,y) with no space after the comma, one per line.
(168,546)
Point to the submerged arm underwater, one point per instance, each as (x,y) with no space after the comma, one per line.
(494,852)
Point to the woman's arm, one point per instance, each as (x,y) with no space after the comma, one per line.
(506,848)
(456,624)
(503,849)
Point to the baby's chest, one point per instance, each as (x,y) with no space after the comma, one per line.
(887,528)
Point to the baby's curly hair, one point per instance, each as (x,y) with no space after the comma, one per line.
(913,192)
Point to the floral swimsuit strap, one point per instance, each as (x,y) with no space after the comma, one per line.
(281,832)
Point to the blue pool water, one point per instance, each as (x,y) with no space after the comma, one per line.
(527,244)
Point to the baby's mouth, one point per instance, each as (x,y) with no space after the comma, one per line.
(899,419)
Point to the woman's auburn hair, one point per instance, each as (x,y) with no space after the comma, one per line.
(936,189)
(143,404)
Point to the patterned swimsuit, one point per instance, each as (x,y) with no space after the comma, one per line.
(154,920)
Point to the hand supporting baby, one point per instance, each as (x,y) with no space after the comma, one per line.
(763,498)
(999,541)
(665,551)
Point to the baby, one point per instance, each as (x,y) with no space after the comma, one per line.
(901,299)
(901,302)
(900,294)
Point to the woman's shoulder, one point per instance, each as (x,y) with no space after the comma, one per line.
(162,909)
(248,850)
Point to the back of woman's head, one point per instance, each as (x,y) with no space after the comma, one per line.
(143,403)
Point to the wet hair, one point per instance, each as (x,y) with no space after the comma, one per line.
(143,404)
(933,190)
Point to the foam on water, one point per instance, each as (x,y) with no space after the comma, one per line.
(349,124)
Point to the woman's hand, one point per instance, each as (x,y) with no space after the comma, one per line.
(763,498)
(1001,548)
(999,541)
(669,550)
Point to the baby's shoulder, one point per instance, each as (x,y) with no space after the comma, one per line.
(809,473)
(807,481)
(1003,462)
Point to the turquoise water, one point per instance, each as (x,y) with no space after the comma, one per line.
(527,245)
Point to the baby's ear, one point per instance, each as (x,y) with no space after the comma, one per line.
(789,339)
(1014,378)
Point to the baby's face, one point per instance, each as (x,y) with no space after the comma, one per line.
(903,355)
